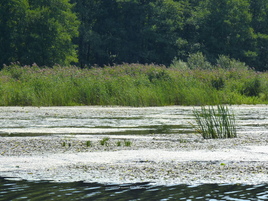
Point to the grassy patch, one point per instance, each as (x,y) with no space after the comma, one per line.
(88,143)
(104,141)
(127,143)
(131,85)
(215,123)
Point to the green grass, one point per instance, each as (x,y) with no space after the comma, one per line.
(127,143)
(88,143)
(215,123)
(130,85)
(104,141)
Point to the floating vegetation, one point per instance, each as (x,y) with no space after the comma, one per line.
(215,123)
(104,141)
(118,143)
(127,143)
(88,143)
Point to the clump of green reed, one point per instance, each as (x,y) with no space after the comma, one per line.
(215,123)
(127,143)
(118,143)
(64,144)
(104,141)
(88,143)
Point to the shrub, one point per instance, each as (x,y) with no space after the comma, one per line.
(198,60)
(226,62)
(252,87)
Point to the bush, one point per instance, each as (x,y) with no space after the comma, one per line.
(198,61)
(252,87)
(225,62)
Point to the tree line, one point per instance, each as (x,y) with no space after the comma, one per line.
(98,32)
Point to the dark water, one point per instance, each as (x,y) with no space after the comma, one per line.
(45,190)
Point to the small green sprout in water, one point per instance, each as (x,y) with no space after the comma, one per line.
(183,141)
(64,144)
(118,143)
(215,123)
(127,143)
(88,143)
(104,141)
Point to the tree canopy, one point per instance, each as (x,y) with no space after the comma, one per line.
(101,32)
(39,32)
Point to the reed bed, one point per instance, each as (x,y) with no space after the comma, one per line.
(130,85)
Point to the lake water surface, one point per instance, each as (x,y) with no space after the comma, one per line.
(30,121)
(44,190)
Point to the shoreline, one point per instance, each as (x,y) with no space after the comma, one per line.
(160,159)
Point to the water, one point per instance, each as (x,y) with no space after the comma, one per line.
(44,190)
(29,121)
(116,120)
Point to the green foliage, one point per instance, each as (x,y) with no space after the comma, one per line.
(88,143)
(38,32)
(127,143)
(129,31)
(198,60)
(130,85)
(225,62)
(252,87)
(118,143)
(163,32)
(212,123)
(104,141)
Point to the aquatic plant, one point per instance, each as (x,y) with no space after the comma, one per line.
(104,141)
(127,143)
(131,85)
(215,123)
(88,143)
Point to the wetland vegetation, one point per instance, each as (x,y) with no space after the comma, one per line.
(215,123)
(183,83)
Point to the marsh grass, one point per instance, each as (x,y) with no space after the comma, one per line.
(88,143)
(215,123)
(104,141)
(127,143)
(118,143)
(130,85)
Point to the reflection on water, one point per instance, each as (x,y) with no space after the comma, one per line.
(44,190)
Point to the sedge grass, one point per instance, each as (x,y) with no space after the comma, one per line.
(104,141)
(130,85)
(215,123)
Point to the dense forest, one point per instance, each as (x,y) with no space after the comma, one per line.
(98,32)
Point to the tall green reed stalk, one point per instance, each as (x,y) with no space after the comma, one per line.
(215,123)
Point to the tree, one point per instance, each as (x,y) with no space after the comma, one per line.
(227,30)
(98,32)
(129,31)
(12,22)
(38,32)
(259,10)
